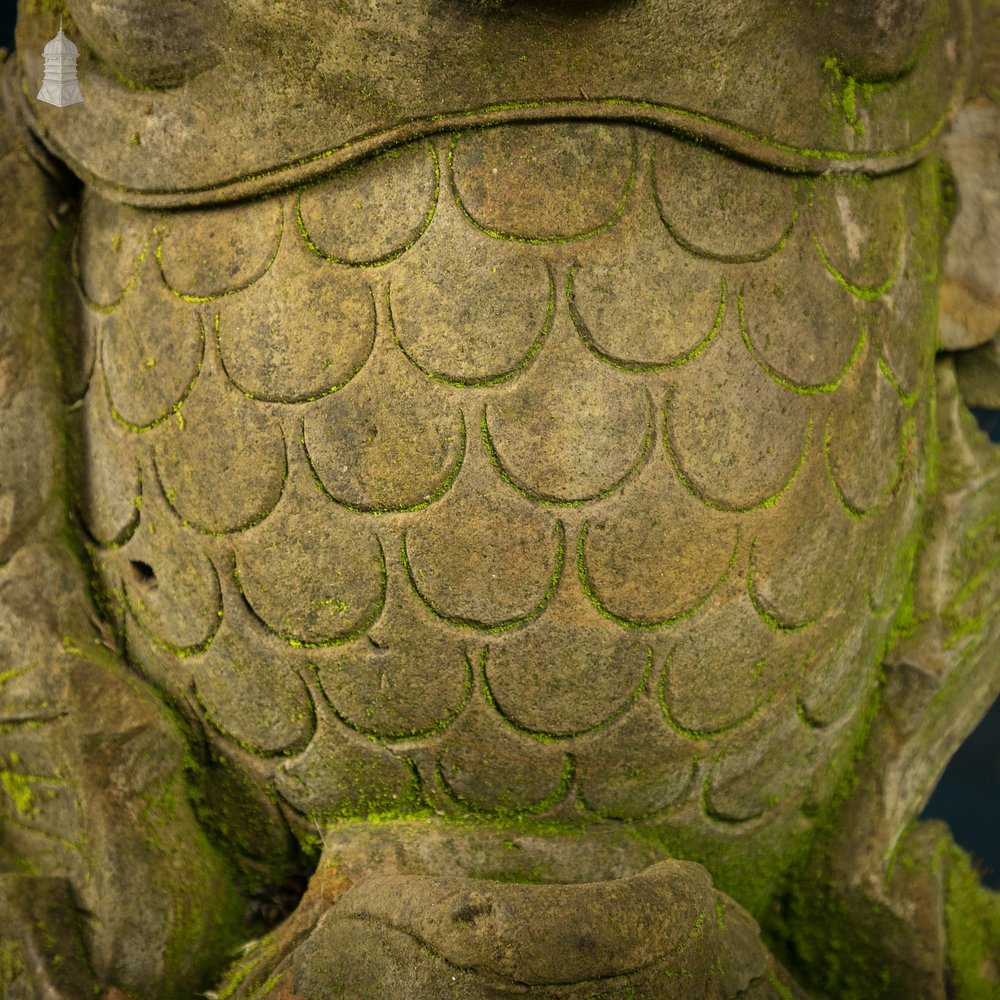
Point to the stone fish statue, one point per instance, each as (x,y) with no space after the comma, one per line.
(508,461)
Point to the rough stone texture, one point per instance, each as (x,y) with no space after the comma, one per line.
(660,933)
(880,875)
(94,817)
(518,494)
(304,106)
(978,374)
(458,599)
(504,941)
(970,306)
(41,951)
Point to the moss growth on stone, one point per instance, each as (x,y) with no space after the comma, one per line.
(972,916)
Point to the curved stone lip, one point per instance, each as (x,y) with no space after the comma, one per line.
(521,933)
(166,149)
(689,124)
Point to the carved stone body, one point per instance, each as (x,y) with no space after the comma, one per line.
(524,492)
(435,488)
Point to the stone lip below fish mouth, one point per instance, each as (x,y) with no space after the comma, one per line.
(315,166)
(523,933)
(512,921)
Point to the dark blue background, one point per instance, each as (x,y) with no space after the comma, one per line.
(8,15)
(968,795)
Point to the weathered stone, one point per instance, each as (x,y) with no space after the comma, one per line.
(512,447)
(41,950)
(970,307)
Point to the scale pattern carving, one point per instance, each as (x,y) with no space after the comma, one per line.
(436,494)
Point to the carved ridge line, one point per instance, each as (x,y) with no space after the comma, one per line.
(974,584)
(175,408)
(22,716)
(293,400)
(904,463)
(247,746)
(479,982)
(7,676)
(386,258)
(655,623)
(685,121)
(185,297)
(124,534)
(73,401)
(626,365)
(181,652)
(755,257)
(802,388)
(655,813)
(451,714)
(297,642)
(102,307)
(697,491)
(47,834)
(726,820)
(466,383)
(37,779)
(29,716)
(867,293)
(547,240)
(170,496)
(697,735)
(765,610)
(544,498)
(810,721)
(358,508)
(557,795)
(493,627)
(906,398)
(543,736)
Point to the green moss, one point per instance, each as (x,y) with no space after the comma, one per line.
(127,81)
(511,810)
(12,966)
(801,388)
(174,410)
(512,876)
(819,936)
(783,991)
(947,192)
(206,914)
(635,623)
(266,987)
(337,640)
(906,398)
(867,293)
(841,949)
(18,789)
(623,364)
(262,951)
(764,503)
(55,7)
(388,258)
(972,918)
